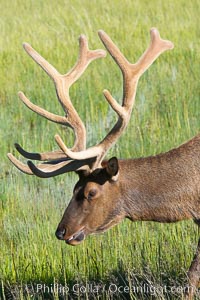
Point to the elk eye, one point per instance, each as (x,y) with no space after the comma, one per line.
(92,193)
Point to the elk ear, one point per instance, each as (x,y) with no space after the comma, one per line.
(112,168)
(82,173)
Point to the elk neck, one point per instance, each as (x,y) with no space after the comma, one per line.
(162,188)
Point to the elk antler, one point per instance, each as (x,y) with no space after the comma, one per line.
(72,119)
(78,158)
(131,74)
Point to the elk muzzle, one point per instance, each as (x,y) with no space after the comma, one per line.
(71,239)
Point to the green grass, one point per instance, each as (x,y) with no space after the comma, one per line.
(166,113)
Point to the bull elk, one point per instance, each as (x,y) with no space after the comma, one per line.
(161,188)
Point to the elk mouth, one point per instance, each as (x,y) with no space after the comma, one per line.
(76,238)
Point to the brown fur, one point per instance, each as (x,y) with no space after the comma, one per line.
(161,188)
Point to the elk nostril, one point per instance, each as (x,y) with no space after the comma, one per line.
(60,233)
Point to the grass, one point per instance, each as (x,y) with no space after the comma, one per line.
(166,113)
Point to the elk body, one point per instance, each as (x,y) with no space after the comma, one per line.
(161,188)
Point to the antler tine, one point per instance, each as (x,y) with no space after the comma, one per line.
(131,74)
(42,112)
(85,57)
(157,47)
(40,156)
(51,168)
(19,165)
(82,155)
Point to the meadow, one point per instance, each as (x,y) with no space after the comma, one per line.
(151,257)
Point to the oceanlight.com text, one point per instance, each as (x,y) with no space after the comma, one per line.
(112,288)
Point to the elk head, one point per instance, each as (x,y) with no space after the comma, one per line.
(97,202)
